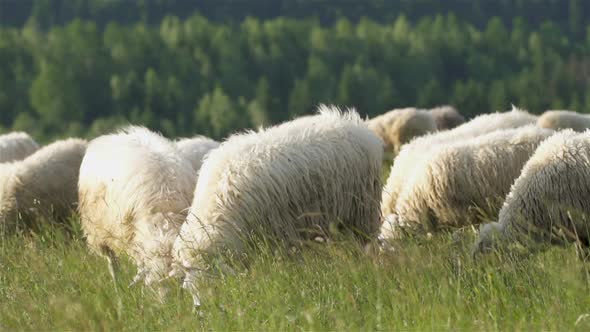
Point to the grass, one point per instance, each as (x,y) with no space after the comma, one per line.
(49,281)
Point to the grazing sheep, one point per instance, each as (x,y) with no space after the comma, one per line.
(284,183)
(194,149)
(43,186)
(16,146)
(399,126)
(412,155)
(462,180)
(548,203)
(135,188)
(557,120)
(446,117)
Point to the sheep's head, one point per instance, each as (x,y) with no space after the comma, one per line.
(489,236)
(155,233)
(153,274)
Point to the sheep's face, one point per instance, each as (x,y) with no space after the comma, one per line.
(489,235)
(158,269)
(154,275)
(155,235)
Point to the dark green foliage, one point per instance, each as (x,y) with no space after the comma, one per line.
(571,15)
(192,75)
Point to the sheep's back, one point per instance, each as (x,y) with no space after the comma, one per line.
(553,189)
(287,181)
(16,146)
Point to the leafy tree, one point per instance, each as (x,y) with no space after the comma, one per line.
(189,75)
(50,102)
(300,102)
(217,113)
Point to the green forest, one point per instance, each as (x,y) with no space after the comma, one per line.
(82,68)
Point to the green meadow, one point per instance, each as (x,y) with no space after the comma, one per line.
(50,281)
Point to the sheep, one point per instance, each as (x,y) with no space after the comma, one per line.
(135,188)
(16,146)
(460,181)
(281,183)
(43,186)
(446,117)
(399,126)
(558,119)
(412,154)
(195,149)
(548,203)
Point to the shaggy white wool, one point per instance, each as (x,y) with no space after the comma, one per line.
(286,183)
(463,180)
(413,155)
(548,203)
(195,149)
(135,188)
(556,120)
(16,146)
(42,186)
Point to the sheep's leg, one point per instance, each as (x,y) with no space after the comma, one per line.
(189,285)
(114,270)
(113,265)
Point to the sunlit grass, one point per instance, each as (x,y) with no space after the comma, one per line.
(51,281)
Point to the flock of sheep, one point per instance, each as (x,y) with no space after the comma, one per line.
(175,207)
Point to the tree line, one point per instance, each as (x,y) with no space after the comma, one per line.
(570,15)
(196,75)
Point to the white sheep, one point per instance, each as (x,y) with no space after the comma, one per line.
(548,203)
(412,154)
(16,146)
(461,181)
(195,149)
(399,126)
(284,183)
(42,187)
(560,119)
(135,188)
(446,117)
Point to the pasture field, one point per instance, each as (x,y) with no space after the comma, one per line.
(49,281)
